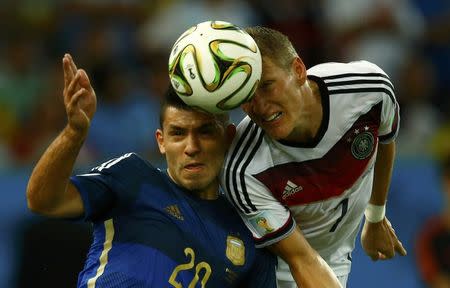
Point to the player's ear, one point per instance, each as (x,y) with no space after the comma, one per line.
(230,133)
(160,139)
(299,69)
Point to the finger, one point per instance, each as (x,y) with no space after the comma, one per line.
(71,88)
(72,64)
(386,251)
(400,249)
(68,75)
(388,222)
(373,255)
(398,245)
(74,100)
(389,250)
(388,254)
(84,80)
(382,256)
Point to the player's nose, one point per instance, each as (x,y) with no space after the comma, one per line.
(192,145)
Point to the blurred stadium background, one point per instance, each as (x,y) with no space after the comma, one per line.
(124,46)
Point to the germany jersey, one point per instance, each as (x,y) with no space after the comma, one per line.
(322,186)
(150,232)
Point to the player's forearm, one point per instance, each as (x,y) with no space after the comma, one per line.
(314,272)
(50,177)
(307,267)
(383,172)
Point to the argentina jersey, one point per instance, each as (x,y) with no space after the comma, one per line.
(150,232)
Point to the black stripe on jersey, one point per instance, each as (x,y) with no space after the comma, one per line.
(366,78)
(362,90)
(246,163)
(360,81)
(277,235)
(232,170)
(346,75)
(231,175)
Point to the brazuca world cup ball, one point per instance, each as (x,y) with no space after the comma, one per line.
(215,66)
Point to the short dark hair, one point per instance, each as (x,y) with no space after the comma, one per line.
(171,99)
(273,45)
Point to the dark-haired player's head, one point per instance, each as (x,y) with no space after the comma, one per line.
(171,99)
(194,143)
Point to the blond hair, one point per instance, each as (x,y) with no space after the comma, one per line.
(273,45)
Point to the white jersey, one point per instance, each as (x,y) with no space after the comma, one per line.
(324,186)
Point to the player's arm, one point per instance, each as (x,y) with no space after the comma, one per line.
(49,190)
(383,172)
(378,238)
(307,266)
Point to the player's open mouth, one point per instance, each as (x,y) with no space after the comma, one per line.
(273,117)
(194,166)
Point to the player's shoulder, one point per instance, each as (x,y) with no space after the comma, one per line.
(248,134)
(125,164)
(337,69)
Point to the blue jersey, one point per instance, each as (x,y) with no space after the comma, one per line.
(150,232)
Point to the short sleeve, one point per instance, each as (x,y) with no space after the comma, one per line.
(390,112)
(107,188)
(267,219)
(390,120)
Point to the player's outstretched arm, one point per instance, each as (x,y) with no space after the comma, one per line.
(307,266)
(378,238)
(49,191)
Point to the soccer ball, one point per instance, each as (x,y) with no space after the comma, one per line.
(215,66)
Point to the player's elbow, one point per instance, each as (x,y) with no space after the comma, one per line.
(34,202)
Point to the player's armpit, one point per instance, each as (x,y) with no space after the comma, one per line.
(307,266)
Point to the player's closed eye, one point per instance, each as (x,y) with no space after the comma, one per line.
(266,85)
(177,132)
(209,130)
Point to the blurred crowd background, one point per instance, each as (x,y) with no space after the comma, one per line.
(124,47)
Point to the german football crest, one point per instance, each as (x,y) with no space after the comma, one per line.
(235,250)
(362,145)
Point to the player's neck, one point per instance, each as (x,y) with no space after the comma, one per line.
(316,108)
(209,193)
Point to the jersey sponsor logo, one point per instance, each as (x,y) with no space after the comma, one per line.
(290,189)
(235,251)
(362,145)
(174,211)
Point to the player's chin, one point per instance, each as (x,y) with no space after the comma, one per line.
(276,133)
(195,185)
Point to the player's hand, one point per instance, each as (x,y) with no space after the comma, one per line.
(79,96)
(379,240)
